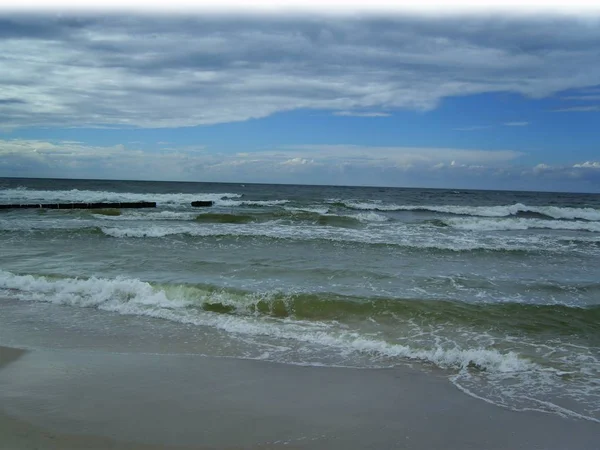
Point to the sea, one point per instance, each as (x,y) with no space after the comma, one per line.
(497,291)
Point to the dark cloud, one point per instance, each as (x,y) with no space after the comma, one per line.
(11,101)
(28,27)
(174,71)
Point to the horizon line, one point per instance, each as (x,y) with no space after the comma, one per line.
(307,185)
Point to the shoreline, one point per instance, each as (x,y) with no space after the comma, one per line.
(72,399)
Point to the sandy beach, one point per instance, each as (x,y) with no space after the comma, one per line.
(20,434)
(72,399)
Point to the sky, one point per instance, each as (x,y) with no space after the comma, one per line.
(483,101)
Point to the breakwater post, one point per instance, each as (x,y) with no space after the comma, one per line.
(202,203)
(80,205)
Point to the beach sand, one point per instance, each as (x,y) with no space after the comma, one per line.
(78,399)
(20,434)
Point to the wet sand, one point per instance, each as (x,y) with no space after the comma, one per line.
(72,399)
(8,355)
(20,434)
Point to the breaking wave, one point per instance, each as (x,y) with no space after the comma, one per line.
(476,224)
(400,237)
(76,195)
(518,209)
(197,306)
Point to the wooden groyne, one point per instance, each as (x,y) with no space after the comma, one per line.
(80,205)
(197,204)
(203,203)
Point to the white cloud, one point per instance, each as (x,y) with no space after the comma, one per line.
(473,128)
(297,162)
(591,108)
(178,163)
(361,114)
(541,168)
(403,156)
(582,98)
(588,165)
(516,124)
(175,71)
(308,164)
(73,149)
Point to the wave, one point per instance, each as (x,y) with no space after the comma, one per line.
(111,212)
(557,318)
(371,217)
(496,352)
(280,216)
(400,237)
(518,209)
(313,227)
(476,224)
(324,306)
(76,195)
(291,216)
(286,215)
(135,215)
(397,237)
(314,209)
(231,203)
(197,306)
(225,218)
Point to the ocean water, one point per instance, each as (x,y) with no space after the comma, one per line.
(498,291)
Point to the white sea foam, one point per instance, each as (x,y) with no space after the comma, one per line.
(369,206)
(370,217)
(542,406)
(134,215)
(76,195)
(314,209)
(478,224)
(400,235)
(226,202)
(135,297)
(397,234)
(483,211)
(150,232)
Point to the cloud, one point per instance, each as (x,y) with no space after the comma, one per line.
(374,155)
(21,157)
(580,177)
(591,108)
(541,168)
(473,128)
(361,114)
(175,71)
(181,163)
(588,165)
(39,148)
(297,161)
(302,164)
(11,101)
(582,98)
(485,127)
